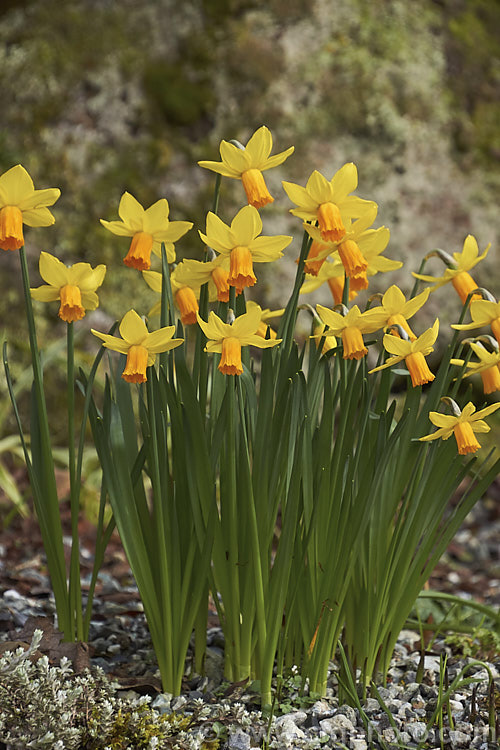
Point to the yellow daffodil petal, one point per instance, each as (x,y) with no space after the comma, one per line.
(443,433)
(484,412)
(155,218)
(246,225)
(345,181)
(319,188)
(161,340)
(301,197)
(153,280)
(218,233)
(277,159)
(234,157)
(45,293)
(118,228)
(112,342)
(38,217)
(90,300)
(131,212)
(334,320)
(265,249)
(52,270)
(133,328)
(427,339)
(395,345)
(259,146)
(247,324)
(15,186)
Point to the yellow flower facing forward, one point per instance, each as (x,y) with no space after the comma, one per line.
(148,229)
(228,338)
(488,366)
(483,312)
(247,164)
(463,426)
(75,286)
(329,202)
(140,346)
(243,244)
(21,204)
(413,353)
(458,272)
(350,327)
(395,309)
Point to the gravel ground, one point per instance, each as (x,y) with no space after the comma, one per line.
(120,644)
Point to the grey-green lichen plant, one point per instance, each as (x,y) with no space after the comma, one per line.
(48,707)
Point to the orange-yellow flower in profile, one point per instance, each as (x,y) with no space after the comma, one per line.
(350,327)
(243,244)
(75,286)
(246,163)
(329,202)
(351,248)
(458,269)
(185,286)
(264,328)
(228,338)
(148,229)
(463,425)
(488,366)
(395,309)
(21,204)
(483,312)
(332,273)
(140,346)
(413,353)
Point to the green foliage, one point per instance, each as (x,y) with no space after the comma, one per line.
(46,707)
(482,643)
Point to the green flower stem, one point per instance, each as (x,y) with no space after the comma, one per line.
(75,593)
(46,499)
(257,555)
(230,502)
(168,647)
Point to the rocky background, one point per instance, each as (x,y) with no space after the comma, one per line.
(101,97)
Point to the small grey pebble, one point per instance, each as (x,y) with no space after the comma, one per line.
(417,730)
(239,740)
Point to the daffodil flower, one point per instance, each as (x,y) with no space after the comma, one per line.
(329,201)
(395,309)
(185,287)
(75,286)
(140,346)
(332,273)
(463,426)
(350,327)
(21,204)
(215,273)
(413,353)
(350,247)
(458,272)
(320,330)
(243,244)
(148,229)
(228,338)
(265,315)
(483,312)
(247,164)
(488,366)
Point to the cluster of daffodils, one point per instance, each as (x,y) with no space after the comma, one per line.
(344,251)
